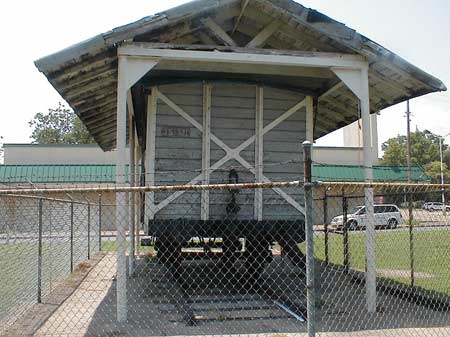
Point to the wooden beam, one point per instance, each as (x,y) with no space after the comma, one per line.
(130,105)
(150,153)
(205,38)
(219,33)
(121,214)
(260,39)
(206,148)
(309,119)
(266,57)
(238,20)
(331,90)
(259,151)
(246,69)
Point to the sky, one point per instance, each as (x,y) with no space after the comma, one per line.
(417,30)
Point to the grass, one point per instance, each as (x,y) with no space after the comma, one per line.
(431,256)
(19,270)
(110,246)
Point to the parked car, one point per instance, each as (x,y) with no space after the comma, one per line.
(435,206)
(386,216)
(426,205)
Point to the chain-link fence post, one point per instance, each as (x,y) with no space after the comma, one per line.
(89,231)
(310,284)
(325,223)
(39,276)
(411,235)
(71,236)
(345,228)
(100,223)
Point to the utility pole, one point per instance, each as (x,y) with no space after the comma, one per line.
(410,210)
(441,150)
(408,137)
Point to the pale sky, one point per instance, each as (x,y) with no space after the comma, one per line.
(417,30)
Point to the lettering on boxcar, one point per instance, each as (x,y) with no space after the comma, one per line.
(174,131)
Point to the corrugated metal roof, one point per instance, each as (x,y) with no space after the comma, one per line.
(356,173)
(57,173)
(86,74)
(106,173)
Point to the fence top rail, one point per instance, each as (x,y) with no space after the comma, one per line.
(329,186)
(170,188)
(40,197)
(401,187)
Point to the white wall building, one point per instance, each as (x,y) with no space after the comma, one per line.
(42,154)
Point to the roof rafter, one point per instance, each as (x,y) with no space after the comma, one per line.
(219,32)
(238,20)
(260,39)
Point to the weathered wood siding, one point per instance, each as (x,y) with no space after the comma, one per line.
(179,147)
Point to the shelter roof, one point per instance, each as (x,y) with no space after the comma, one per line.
(86,74)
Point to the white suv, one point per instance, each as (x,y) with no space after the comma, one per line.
(388,216)
(435,206)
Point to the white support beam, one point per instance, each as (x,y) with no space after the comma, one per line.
(206,148)
(121,197)
(259,151)
(150,151)
(357,80)
(310,119)
(237,68)
(374,128)
(219,32)
(351,78)
(331,90)
(137,68)
(371,292)
(137,179)
(260,39)
(306,59)
(131,178)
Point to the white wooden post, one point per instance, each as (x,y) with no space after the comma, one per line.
(150,150)
(259,151)
(131,178)
(371,293)
(121,197)
(130,70)
(206,148)
(374,128)
(309,119)
(357,80)
(137,203)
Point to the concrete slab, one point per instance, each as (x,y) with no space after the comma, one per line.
(158,306)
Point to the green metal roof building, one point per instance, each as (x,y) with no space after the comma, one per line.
(353,173)
(106,173)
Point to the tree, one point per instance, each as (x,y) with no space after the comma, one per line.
(424,149)
(59,126)
(434,171)
(424,152)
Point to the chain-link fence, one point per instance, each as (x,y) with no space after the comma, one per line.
(232,259)
(403,234)
(42,241)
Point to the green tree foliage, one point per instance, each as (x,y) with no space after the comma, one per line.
(424,152)
(447,157)
(434,171)
(59,126)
